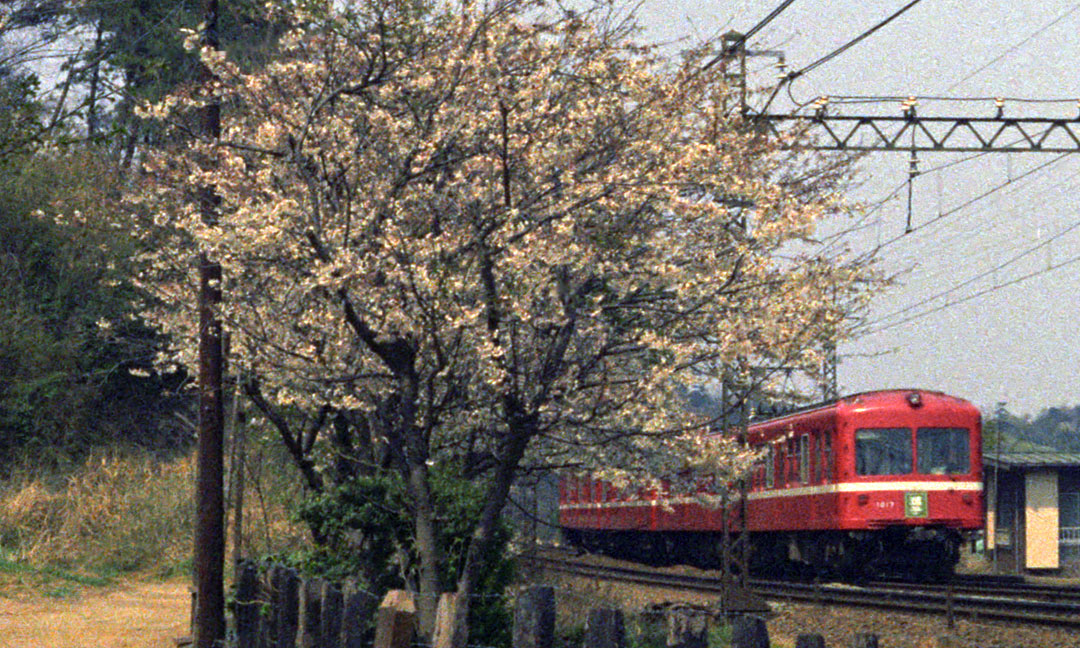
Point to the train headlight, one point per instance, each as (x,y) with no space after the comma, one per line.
(914,399)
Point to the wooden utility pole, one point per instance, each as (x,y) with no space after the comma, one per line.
(209,622)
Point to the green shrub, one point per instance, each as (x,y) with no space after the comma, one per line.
(570,636)
(365,529)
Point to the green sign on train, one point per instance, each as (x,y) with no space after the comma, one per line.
(915,504)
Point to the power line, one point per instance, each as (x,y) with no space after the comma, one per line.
(967,238)
(855,41)
(889,99)
(1015,47)
(734,47)
(1012,188)
(860,223)
(985,273)
(1027,251)
(968,298)
(980,255)
(972,201)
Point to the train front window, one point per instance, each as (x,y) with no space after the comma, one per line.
(943,451)
(883,451)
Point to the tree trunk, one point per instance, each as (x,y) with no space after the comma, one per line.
(427,548)
(497,492)
(95,80)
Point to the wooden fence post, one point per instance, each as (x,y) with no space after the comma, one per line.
(357,613)
(247,607)
(332,603)
(686,628)
(749,632)
(275,580)
(534,618)
(288,614)
(865,640)
(264,637)
(396,620)
(810,641)
(451,625)
(311,613)
(604,629)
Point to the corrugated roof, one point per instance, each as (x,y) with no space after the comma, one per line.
(1032,459)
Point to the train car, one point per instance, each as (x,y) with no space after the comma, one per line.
(885,482)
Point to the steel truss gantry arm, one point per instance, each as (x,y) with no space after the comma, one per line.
(910,132)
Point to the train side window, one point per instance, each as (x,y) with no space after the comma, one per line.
(791,475)
(822,466)
(785,466)
(826,457)
(817,450)
(785,462)
(770,467)
(804,459)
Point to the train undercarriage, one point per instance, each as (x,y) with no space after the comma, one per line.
(921,553)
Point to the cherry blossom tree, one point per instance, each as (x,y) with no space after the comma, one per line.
(502,235)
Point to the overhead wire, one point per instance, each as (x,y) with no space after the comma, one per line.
(860,225)
(853,99)
(882,322)
(864,99)
(878,99)
(967,282)
(968,298)
(1003,192)
(971,240)
(1017,46)
(791,76)
(853,42)
(1008,224)
(968,203)
(734,47)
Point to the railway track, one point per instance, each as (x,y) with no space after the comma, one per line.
(990,587)
(1018,602)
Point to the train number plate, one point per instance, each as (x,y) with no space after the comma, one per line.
(915,504)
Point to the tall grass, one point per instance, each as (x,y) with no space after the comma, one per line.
(121,513)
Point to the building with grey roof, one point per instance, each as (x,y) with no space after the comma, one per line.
(1032,511)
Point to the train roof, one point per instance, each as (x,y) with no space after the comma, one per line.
(867,399)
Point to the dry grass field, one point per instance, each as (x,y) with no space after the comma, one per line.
(99,555)
(135,615)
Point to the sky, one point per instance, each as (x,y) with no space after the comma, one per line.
(984,306)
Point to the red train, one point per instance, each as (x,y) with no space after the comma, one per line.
(873,483)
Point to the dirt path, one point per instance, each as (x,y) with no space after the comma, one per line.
(138,615)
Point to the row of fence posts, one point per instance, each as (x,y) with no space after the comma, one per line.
(283,610)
